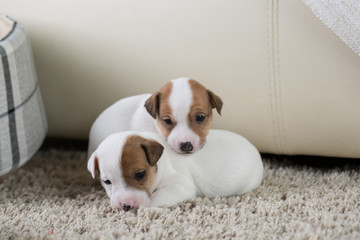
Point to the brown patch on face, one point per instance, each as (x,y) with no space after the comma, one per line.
(200,115)
(138,162)
(159,108)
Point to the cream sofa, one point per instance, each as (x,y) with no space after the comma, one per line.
(288,83)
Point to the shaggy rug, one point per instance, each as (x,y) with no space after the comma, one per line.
(54,197)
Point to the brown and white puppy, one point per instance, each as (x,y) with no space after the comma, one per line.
(181,111)
(139,169)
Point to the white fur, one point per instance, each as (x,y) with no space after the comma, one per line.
(129,114)
(227,165)
(181,100)
(124,115)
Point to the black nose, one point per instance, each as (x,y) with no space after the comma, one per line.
(186,147)
(126,207)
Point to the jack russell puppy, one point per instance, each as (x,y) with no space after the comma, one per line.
(140,169)
(181,111)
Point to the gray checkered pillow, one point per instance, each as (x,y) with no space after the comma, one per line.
(23,124)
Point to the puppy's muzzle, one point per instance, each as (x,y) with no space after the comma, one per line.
(186,147)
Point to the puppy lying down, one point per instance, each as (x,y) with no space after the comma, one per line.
(140,169)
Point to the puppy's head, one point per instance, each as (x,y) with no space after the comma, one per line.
(183,112)
(127,166)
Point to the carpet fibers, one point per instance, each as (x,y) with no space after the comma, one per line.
(54,197)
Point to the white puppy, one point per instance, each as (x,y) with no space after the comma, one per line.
(139,169)
(181,111)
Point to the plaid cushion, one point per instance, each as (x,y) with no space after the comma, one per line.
(23,124)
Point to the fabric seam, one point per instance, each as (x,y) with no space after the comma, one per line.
(271,73)
(281,122)
(10,33)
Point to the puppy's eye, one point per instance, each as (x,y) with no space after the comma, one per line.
(167,121)
(200,118)
(140,175)
(107,182)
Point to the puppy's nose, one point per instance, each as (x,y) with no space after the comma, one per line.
(126,207)
(186,147)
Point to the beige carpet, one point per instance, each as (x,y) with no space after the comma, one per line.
(53,197)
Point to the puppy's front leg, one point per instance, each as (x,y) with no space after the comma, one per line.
(171,195)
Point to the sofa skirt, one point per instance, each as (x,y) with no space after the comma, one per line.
(23,124)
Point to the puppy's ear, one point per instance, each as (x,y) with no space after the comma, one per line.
(93,164)
(215,101)
(153,151)
(152,104)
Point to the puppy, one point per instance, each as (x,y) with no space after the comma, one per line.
(139,169)
(181,111)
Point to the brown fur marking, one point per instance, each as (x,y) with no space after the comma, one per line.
(200,106)
(140,154)
(165,111)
